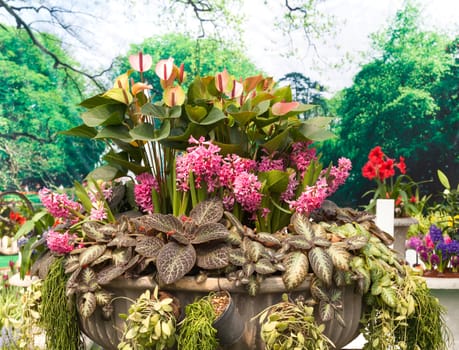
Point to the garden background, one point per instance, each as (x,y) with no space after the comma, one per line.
(387,73)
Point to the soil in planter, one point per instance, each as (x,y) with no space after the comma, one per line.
(219,303)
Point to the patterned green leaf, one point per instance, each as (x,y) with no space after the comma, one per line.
(211,257)
(339,278)
(340,257)
(326,311)
(253,250)
(91,253)
(103,297)
(109,273)
(148,246)
(248,269)
(321,242)
(174,261)
(264,267)
(268,239)
(121,256)
(86,304)
(389,296)
(299,242)
(236,257)
(165,223)
(302,225)
(104,257)
(296,269)
(210,232)
(356,242)
(72,262)
(321,264)
(89,278)
(336,296)
(319,290)
(209,211)
(93,230)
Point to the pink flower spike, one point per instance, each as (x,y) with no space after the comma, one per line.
(164,68)
(140,62)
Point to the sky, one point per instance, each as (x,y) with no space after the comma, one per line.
(112,30)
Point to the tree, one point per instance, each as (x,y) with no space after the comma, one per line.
(200,57)
(405,101)
(37,101)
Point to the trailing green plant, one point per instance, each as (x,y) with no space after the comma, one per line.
(150,323)
(291,325)
(59,316)
(196,330)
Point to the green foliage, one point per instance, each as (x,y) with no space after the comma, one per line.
(37,101)
(404,100)
(58,313)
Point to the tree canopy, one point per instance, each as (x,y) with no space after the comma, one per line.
(36,102)
(406,101)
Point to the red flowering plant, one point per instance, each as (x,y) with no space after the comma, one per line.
(400,187)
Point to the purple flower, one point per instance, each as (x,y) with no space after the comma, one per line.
(414,243)
(434,259)
(435,234)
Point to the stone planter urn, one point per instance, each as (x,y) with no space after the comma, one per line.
(107,333)
(401,226)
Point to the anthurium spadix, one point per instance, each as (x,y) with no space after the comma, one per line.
(174,96)
(140,62)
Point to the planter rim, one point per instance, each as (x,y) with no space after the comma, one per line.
(188,283)
(405,221)
(442,283)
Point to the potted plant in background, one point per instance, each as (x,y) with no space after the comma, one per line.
(221,189)
(400,191)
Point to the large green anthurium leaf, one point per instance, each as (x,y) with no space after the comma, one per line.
(283,93)
(296,269)
(275,180)
(316,129)
(278,142)
(241,117)
(174,261)
(212,257)
(195,113)
(97,100)
(86,304)
(119,159)
(165,223)
(340,257)
(154,110)
(261,97)
(81,131)
(209,211)
(105,173)
(148,132)
(302,225)
(109,114)
(179,138)
(83,196)
(321,264)
(119,132)
(214,116)
(210,232)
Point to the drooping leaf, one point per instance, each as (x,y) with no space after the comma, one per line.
(326,311)
(302,225)
(209,211)
(89,278)
(340,257)
(296,269)
(72,263)
(109,273)
(86,304)
(148,246)
(319,290)
(237,257)
(81,131)
(103,297)
(174,261)
(264,267)
(211,257)
(389,296)
(91,253)
(102,115)
(321,264)
(210,232)
(148,132)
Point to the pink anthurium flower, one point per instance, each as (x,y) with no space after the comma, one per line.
(140,62)
(222,81)
(282,108)
(164,68)
(174,96)
(237,89)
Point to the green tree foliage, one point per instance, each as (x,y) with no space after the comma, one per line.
(36,102)
(200,57)
(405,101)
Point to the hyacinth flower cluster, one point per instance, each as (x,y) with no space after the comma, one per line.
(69,213)
(437,250)
(392,182)
(263,193)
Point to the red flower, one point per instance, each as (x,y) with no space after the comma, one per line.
(401,165)
(369,171)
